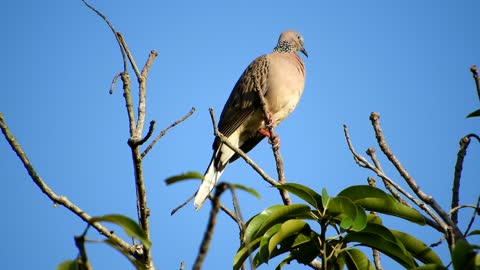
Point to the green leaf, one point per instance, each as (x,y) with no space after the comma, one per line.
(183,176)
(287,229)
(474,232)
(303,247)
(379,237)
(463,256)
(430,266)
(417,248)
(351,216)
(263,252)
(243,252)
(357,260)
(374,199)
(474,114)
(325,197)
(305,193)
(371,218)
(68,265)
(130,227)
(248,190)
(280,215)
(256,221)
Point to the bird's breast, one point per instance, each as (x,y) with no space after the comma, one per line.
(285,84)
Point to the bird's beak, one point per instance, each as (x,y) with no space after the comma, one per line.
(304,51)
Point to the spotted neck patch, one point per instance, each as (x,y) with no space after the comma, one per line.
(284,46)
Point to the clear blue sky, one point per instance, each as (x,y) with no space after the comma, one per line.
(407,60)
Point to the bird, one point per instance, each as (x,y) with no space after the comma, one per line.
(280,75)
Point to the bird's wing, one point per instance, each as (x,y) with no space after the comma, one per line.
(243,100)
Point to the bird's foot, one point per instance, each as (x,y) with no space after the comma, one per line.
(270,121)
(275,141)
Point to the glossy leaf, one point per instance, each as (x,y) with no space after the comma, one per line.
(417,248)
(263,252)
(357,260)
(374,199)
(130,227)
(279,215)
(248,190)
(183,176)
(378,237)
(325,197)
(302,247)
(430,266)
(305,193)
(474,232)
(463,256)
(243,252)
(256,221)
(68,265)
(474,114)
(351,216)
(287,229)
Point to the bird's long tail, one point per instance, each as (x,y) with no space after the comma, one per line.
(209,181)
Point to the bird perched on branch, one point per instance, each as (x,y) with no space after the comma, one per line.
(280,78)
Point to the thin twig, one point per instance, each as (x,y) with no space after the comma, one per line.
(233,216)
(142,208)
(164,131)
(374,118)
(436,223)
(474,214)
(149,133)
(474,71)
(60,200)
(236,206)
(393,191)
(371,182)
(207,237)
(128,103)
(114,81)
(84,263)
(274,140)
(462,151)
(110,25)
(239,152)
(129,54)
(142,88)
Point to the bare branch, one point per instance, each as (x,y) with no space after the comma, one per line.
(128,102)
(438,224)
(393,191)
(164,131)
(474,71)
(84,263)
(374,117)
(275,141)
(129,54)
(464,142)
(239,152)
(110,25)
(371,182)
(114,81)
(149,134)
(236,206)
(142,89)
(474,214)
(61,200)
(207,237)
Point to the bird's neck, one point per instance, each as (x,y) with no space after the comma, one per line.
(284,47)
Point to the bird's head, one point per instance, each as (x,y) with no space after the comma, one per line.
(291,40)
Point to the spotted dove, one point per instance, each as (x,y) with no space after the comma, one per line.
(280,76)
